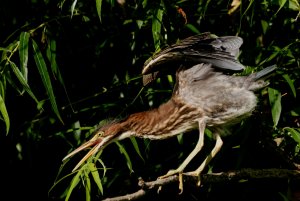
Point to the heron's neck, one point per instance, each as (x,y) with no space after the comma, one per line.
(157,122)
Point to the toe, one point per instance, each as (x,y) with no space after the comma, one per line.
(170,173)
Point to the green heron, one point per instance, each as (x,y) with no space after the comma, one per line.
(202,97)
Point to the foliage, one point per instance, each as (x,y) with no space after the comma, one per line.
(66,68)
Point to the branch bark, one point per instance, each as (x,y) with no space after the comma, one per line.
(245,174)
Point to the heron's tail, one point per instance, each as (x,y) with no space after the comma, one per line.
(264,73)
(257,80)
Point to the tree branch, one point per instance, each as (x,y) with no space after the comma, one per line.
(244,174)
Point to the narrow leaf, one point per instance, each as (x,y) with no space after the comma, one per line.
(97,158)
(42,68)
(103,166)
(275,102)
(99,8)
(23,81)
(264,25)
(283,196)
(3,86)
(96,176)
(87,187)
(23,53)
(74,183)
(192,28)
(136,147)
(290,83)
(12,81)
(4,114)
(73,7)
(124,152)
(51,55)
(8,50)
(156,26)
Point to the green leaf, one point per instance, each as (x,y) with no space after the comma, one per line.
(295,134)
(103,166)
(87,186)
(96,176)
(284,197)
(8,51)
(295,112)
(74,183)
(51,55)
(275,102)
(12,81)
(294,5)
(136,147)
(23,53)
(139,23)
(4,114)
(144,3)
(73,7)
(2,86)
(192,28)
(4,49)
(22,80)
(180,138)
(281,4)
(124,152)
(85,18)
(291,83)
(264,25)
(99,8)
(156,26)
(42,68)
(61,4)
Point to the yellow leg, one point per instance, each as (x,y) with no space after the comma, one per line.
(196,150)
(212,154)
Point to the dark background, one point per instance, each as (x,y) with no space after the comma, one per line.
(101,63)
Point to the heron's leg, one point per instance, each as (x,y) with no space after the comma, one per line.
(196,150)
(212,154)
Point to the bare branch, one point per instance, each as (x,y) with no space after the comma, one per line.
(245,174)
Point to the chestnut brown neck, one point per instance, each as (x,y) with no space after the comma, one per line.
(167,120)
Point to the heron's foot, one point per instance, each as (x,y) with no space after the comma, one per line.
(180,178)
(194,174)
(170,173)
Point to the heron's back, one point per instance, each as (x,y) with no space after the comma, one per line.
(225,99)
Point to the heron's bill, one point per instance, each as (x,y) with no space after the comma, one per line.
(93,151)
(97,142)
(82,147)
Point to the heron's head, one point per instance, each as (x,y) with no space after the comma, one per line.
(101,137)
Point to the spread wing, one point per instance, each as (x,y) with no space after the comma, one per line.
(221,52)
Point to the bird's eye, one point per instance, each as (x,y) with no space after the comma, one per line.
(101,133)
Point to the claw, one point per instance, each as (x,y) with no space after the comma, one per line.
(180,178)
(180,183)
(194,174)
(159,189)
